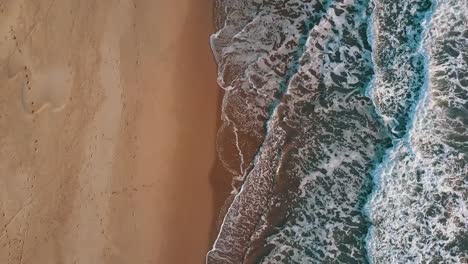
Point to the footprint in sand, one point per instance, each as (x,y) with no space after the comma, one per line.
(45,86)
(49,87)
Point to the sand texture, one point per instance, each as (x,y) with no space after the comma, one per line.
(108,115)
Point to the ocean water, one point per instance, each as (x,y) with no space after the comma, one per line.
(345,123)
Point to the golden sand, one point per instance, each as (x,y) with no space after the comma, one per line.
(108,115)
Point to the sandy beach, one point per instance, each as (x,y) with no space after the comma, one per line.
(108,119)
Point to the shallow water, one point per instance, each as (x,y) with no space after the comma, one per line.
(349,122)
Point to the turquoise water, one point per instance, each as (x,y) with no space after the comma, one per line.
(349,123)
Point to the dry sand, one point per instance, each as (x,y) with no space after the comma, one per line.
(108,116)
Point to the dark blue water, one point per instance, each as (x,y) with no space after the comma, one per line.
(348,123)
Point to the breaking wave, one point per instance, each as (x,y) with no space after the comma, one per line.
(345,125)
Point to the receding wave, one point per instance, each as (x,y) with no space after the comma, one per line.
(345,125)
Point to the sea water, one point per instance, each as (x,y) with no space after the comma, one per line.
(348,122)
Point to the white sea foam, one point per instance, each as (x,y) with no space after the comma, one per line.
(298,79)
(420,210)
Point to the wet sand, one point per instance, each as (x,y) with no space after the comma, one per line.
(108,118)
